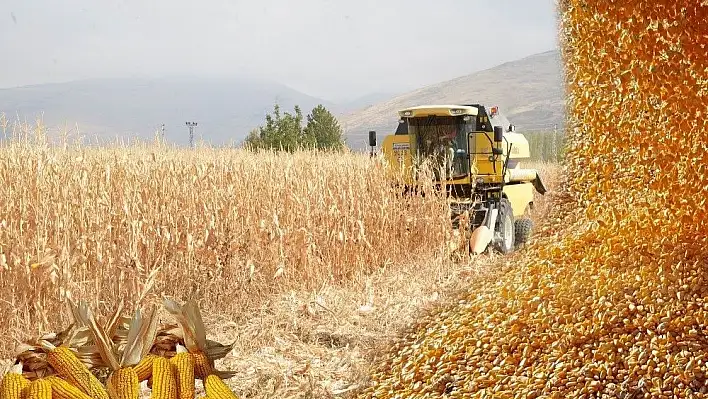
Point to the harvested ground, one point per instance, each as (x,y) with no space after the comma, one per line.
(321,344)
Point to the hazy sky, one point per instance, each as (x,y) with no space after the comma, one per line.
(326,48)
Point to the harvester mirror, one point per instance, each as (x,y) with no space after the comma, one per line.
(372,138)
(498,134)
(512,128)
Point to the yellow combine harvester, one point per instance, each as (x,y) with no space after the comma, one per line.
(475,154)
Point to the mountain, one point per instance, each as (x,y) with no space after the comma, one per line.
(529,91)
(366,101)
(225,109)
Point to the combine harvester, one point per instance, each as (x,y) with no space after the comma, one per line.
(474,152)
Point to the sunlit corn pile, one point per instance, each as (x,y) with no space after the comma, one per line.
(109,359)
(614,304)
(202,223)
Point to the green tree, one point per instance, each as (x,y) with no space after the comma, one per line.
(546,146)
(323,130)
(253,140)
(284,131)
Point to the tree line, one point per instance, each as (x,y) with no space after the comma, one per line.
(285,131)
(546,146)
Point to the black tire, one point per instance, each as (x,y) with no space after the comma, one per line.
(522,228)
(505,228)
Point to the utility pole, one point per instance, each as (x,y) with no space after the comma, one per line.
(191,126)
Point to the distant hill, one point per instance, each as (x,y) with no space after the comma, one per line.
(225,109)
(529,91)
(364,102)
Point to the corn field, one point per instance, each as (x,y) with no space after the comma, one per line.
(140,220)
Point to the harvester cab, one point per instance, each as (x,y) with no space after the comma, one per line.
(474,154)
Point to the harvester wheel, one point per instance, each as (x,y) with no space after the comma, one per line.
(523,228)
(505,228)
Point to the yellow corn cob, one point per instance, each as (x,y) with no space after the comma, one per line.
(216,388)
(123,384)
(183,363)
(194,334)
(144,368)
(39,389)
(13,383)
(164,379)
(68,366)
(62,389)
(123,381)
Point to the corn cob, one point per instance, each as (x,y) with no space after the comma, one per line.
(202,365)
(194,335)
(123,381)
(14,383)
(164,379)
(123,384)
(170,335)
(34,357)
(216,388)
(68,366)
(39,389)
(62,389)
(144,368)
(184,366)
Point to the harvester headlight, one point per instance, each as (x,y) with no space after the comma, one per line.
(456,111)
(407,113)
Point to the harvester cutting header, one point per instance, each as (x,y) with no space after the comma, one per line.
(475,156)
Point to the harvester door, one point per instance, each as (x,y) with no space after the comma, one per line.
(484,161)
(397,150)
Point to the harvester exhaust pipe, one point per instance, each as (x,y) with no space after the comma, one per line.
(483,235)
